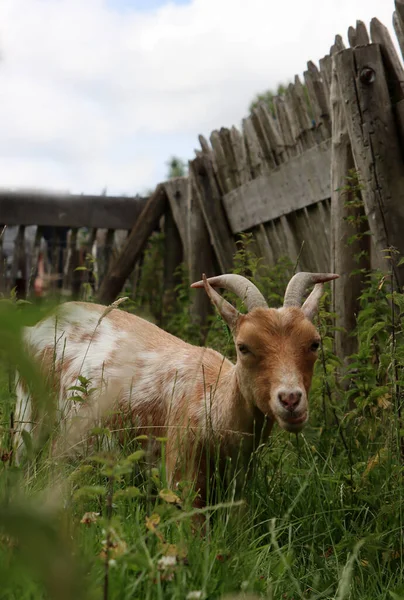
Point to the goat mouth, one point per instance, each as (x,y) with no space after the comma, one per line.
(294,424)
(297,420)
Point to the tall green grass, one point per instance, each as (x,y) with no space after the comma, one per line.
(321,516)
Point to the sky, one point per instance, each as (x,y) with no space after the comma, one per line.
(99,94)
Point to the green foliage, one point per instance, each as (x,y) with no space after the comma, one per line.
(322,516)
(268,98)
(178,321)
(176,167)
(149,296)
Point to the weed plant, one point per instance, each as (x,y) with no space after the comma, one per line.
(322,515)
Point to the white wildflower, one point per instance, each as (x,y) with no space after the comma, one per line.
(166,562)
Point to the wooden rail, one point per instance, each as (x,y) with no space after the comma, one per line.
(69,210)
(302,181)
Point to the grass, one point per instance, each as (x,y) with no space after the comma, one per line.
(322,515)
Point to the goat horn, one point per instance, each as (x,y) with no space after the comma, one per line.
(241,286)
(298,284)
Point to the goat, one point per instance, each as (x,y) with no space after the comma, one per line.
(163,386)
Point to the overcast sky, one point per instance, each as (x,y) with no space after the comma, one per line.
(100,93)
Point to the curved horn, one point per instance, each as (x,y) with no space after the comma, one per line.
(298,284)
(241,286)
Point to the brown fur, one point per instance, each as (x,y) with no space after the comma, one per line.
(214,401)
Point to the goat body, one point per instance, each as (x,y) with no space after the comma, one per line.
(149,381)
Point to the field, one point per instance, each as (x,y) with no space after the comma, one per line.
(321,517)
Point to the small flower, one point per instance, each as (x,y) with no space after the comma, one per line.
(195,595)
(5,456)
(167,562)
(89,517)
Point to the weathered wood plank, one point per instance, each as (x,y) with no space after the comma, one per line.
(69,210)
(300,182)
(240,155)
(375,145)
(311,240)
(177,190)
(207,193)
(221,164)
(106,254)
(121,268)
(393,65)
(347,219)
(358,36)
(18,268)
(254,159)
(303,112)
(285,127)
(398,24)
(34,262)
(272,230)
(338,45)
(259,119)
(324,208)
(292,245)
(2,261)
(200,259)
(399,110)
(325,72)
(273,134)
(73,277)
(300,121)
(318,233)
(263,244)
(230,155)
(317,94)
(173,256)
(206,149)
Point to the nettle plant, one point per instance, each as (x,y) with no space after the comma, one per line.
(375,373)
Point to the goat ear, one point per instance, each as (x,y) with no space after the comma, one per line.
(310,307)
(227,311)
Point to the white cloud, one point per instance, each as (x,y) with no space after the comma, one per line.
(93,96)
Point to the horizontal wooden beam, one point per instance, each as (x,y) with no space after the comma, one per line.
(69,210)
(300,182)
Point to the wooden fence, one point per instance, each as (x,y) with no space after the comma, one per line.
(70,224)
(308,180)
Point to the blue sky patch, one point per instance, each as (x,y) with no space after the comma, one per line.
(141,5)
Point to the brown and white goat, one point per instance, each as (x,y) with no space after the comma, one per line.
(159,385)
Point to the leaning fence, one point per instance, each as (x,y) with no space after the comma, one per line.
(309,177)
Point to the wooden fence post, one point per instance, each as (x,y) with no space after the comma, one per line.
(73,277)
(200,258)
(375,144)
(177,190)
(19,265)
(3,264)
(172,259)
(122,266)
(398,23)
(206,191)
(347,289)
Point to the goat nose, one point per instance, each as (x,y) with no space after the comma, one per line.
(290,400)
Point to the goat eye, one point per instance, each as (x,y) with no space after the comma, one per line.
(243,349)
(315,346)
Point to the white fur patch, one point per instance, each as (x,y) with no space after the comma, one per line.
(154,374)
